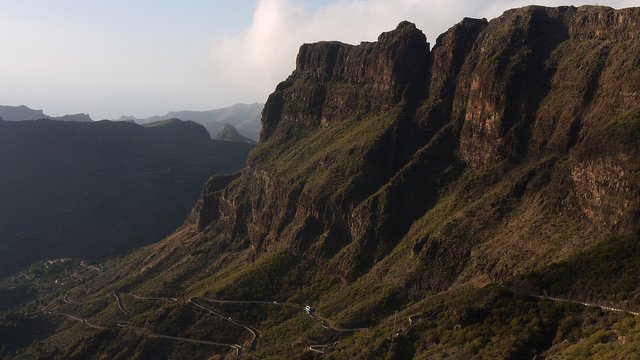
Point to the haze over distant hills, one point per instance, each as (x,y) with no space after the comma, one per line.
(244,117)
(99,189)
(23,113)
(229,133)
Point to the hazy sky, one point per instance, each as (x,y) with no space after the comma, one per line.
(136,57)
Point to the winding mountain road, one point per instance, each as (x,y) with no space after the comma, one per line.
(320,348)
(148,333)
(85,322)
(138,297)
(239,350)
(326,323)
(252,343)
(121,304)
(254,302)
(255,334)
(66,298)
(606,308)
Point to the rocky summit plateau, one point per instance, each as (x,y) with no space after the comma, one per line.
(478,198)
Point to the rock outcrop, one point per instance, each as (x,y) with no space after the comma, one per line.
(19,113)
(229,133)
(396,180)
(382,133)
(333,80)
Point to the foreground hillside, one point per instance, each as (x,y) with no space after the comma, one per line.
(97,190)
(476,200)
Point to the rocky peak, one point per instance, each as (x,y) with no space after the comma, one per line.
(604,23)
(229,133)
(332,78)
(20,113)
(75,117)
(361,141)
(187,131)
(319,59)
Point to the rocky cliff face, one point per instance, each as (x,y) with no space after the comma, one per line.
(389,177)
(539,78)
(362,143)
(334,81)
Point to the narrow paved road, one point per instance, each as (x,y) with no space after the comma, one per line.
(256,302)
(196,301)
(255,334)
(239,350)
(320,348)
(151,298)
(607,308)
(326,323)
(85,322)
(66,298)
(145,332)
(121,304)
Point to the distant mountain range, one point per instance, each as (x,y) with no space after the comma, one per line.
(23,113)
(96,190)
(229,133)
(244,117)
(474,199)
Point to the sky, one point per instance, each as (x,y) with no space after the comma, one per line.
(148,57)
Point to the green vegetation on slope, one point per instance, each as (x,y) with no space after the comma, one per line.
(609,271)
(626,128)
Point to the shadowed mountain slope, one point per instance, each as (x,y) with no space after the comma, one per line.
(97,190)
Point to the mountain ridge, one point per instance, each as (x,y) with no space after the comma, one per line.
(229,133)
(394,179)
(244,117)
(23,113)
(123,166)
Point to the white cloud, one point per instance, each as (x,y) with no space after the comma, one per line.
(258,58)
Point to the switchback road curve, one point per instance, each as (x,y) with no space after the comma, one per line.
(148,333)
(255,334)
